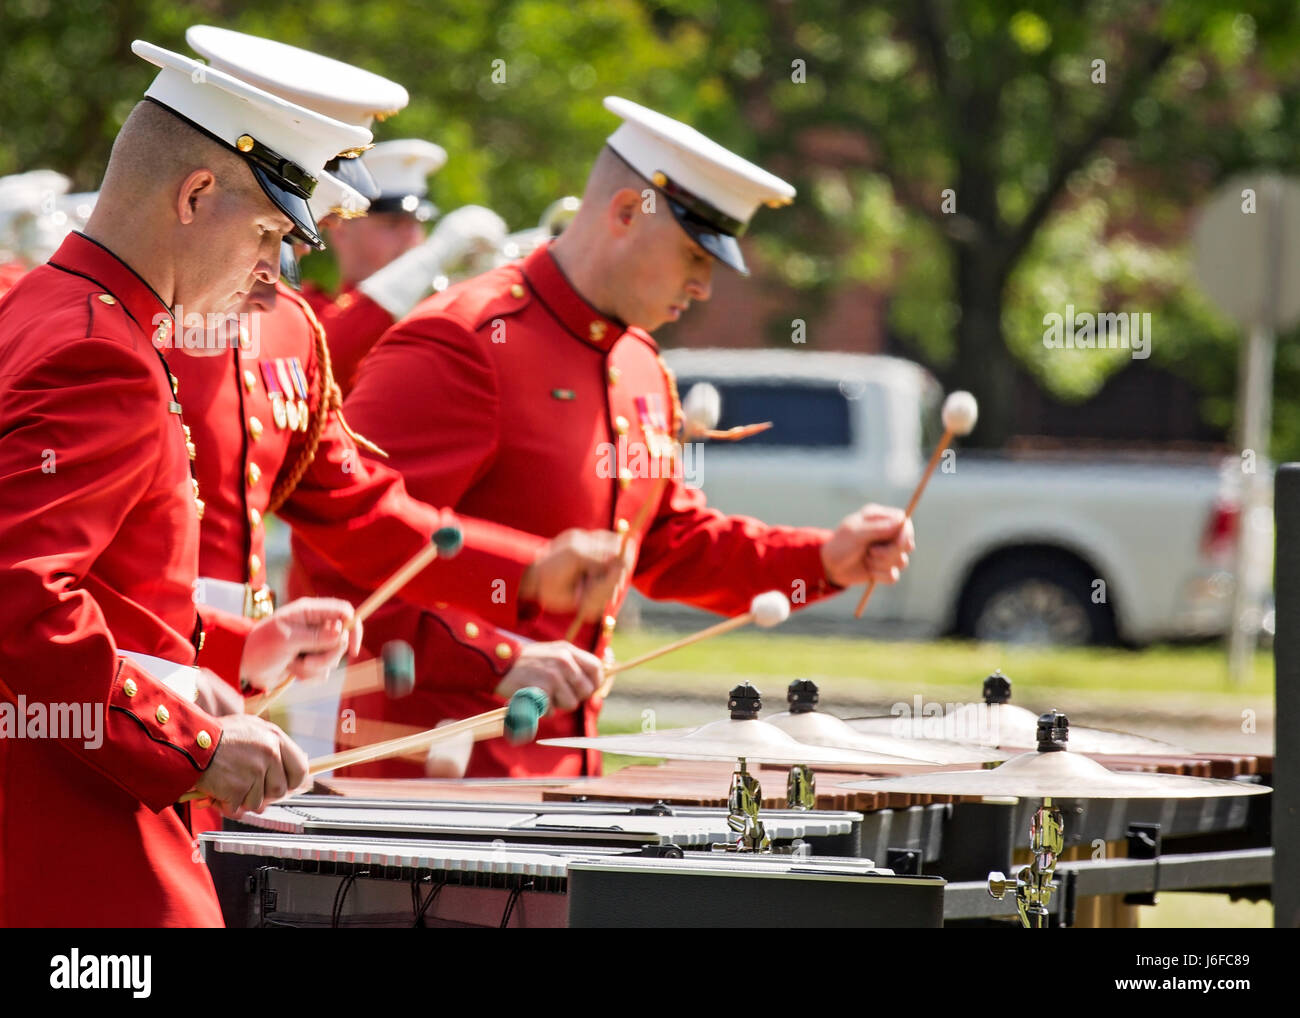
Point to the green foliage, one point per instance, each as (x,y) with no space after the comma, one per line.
(1075,189)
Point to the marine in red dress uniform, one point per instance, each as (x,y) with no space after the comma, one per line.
(513,397)
(98,551)
(99,535)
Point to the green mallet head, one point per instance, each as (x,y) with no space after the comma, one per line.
(449,540)
(399,669)
(527,707)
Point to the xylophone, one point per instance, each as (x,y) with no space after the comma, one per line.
(316,861)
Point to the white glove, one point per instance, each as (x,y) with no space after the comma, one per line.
(406,280)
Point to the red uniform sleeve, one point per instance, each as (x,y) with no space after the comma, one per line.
(223,642)
(357,515)
(444,438)
(701,557)
(55,646)
(353,325)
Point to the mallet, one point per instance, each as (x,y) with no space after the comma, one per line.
(393,672)
(766,610)
(960,412)
(517,721)
(445,543)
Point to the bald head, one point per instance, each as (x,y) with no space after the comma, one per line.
(187,214)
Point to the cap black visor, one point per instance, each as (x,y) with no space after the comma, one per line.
(291,205)
(723,246)
(353,172)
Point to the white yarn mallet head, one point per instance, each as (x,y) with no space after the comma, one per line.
(701,409)
(960,412)
(770,608)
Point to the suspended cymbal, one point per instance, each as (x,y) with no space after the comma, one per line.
(728,739)
(1056,772)
(996,722)
(815,728)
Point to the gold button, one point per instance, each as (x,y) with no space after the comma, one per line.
(162,714)
(596,331)
(250,380)
(659,179)
(244,143)
(610,623)
(614,375)
(624,479)
(471,630)
(620,424)
(254,473)
(130,688)
(105,298)
(504,650)
(199,506)
(176,382)
(254,517)
(254,428)
(203,739)
(244,342)
(203,633)
(622,526)
(254,564)
(516,291)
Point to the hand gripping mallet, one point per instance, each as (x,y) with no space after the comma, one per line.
(517,721)
(960,412)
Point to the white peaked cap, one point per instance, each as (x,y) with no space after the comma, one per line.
(401,170)
(712,191)
(330,87)
(285,145)
(334,197)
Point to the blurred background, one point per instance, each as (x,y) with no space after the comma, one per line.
(966,170)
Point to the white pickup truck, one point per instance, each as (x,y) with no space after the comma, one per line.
(1059,548)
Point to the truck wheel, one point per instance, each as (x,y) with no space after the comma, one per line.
(1034,599)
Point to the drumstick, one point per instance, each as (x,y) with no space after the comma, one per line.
(517,721)
(446,542)
(959,415)
(767,610)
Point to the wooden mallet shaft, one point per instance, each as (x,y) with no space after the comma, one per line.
(262,702)
(446,541)
(907,514)
(959,414)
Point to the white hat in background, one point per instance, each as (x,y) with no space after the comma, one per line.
(285,145)
(712,192)
(351,95)
(402,169)
(28,200)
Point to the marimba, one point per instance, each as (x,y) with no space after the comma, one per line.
(316,861)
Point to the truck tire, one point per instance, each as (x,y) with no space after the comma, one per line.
(1035,598)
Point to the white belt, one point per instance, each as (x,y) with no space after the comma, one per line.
(233,598)
(183,680)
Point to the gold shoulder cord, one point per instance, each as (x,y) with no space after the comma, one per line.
(679,418)
(331,401)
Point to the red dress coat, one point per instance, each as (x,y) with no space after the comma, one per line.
(98,552)
(354,324)
(509,397)
(352,511)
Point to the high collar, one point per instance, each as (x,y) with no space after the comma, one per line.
(89,259)
(554,290)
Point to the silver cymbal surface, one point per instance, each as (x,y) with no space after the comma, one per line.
(729,739)
(1060,774)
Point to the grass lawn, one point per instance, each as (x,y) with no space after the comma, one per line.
(1192,679)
